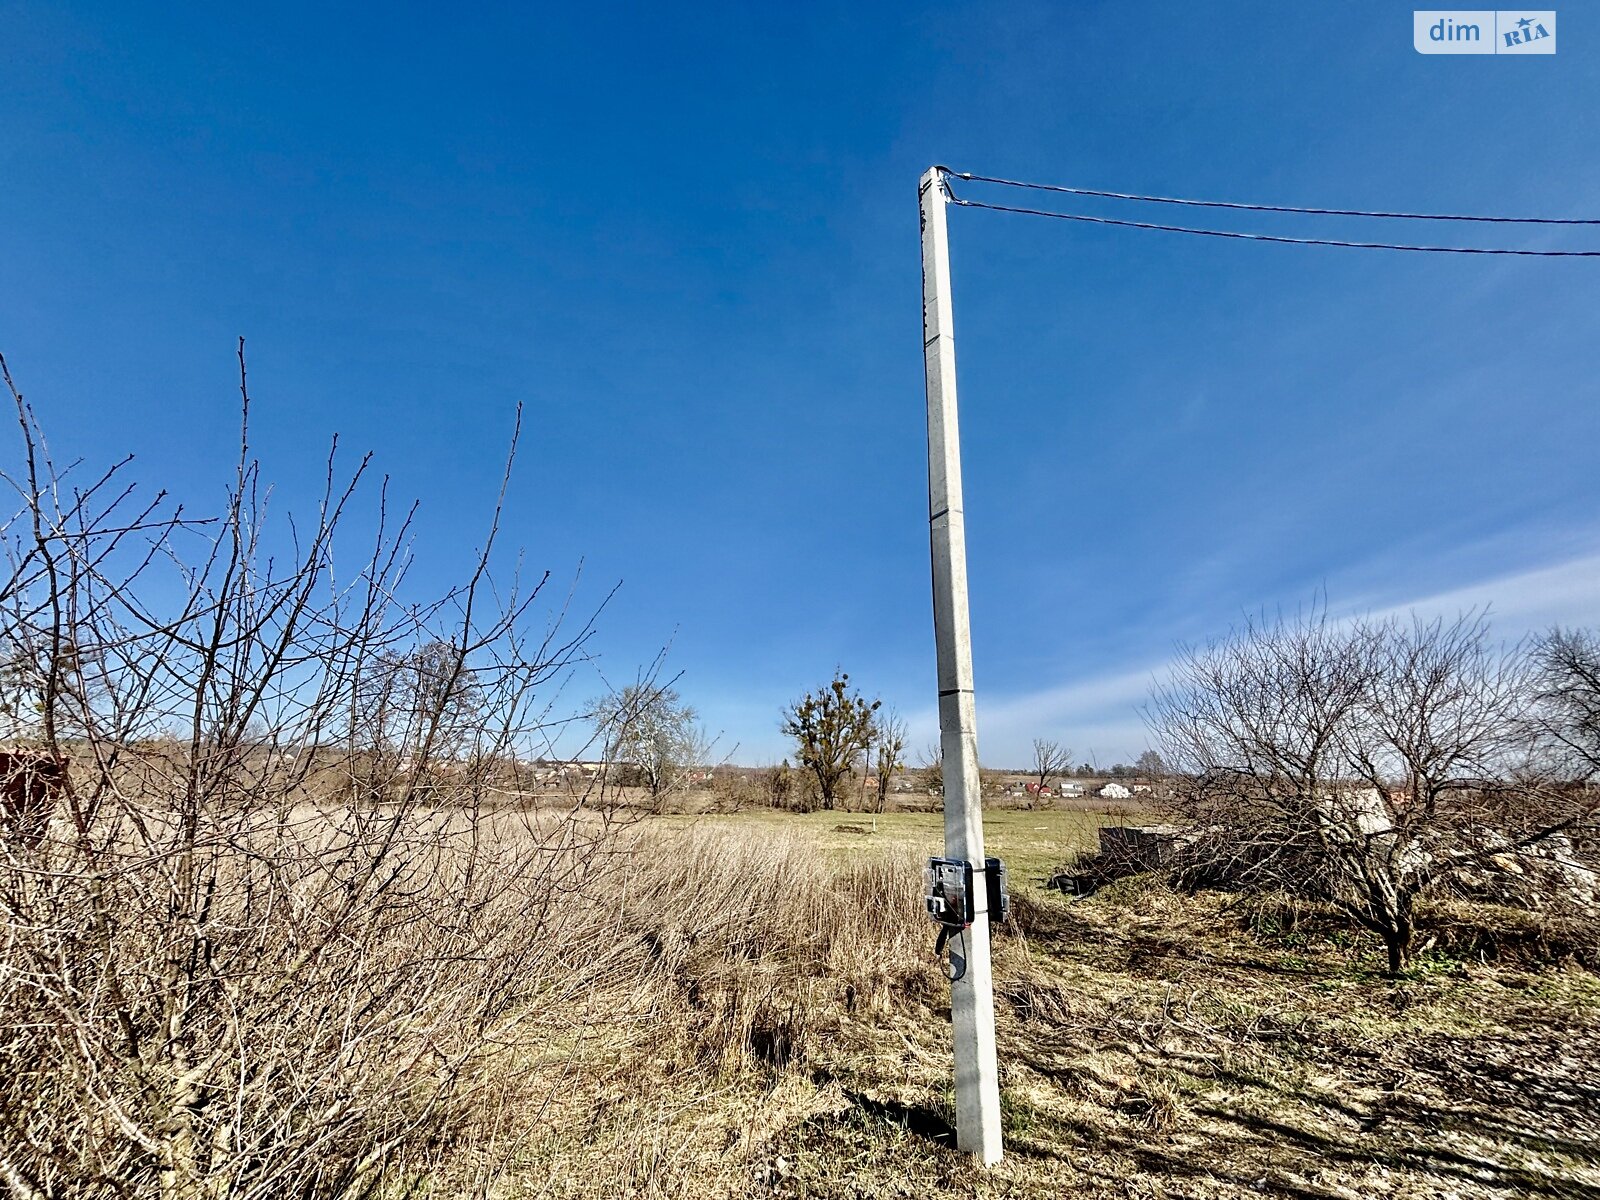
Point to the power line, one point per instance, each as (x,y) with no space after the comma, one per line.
(1277,208)
(1271,237)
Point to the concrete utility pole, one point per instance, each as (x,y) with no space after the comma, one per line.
(972,995)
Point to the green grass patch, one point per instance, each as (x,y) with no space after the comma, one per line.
(1032,843)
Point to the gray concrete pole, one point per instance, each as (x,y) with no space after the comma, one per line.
(971,996)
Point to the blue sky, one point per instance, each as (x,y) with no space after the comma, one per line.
(685,238)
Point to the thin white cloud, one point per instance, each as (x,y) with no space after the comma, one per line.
(1564,593)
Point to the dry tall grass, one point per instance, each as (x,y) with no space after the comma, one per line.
(730,962)
(511,1006)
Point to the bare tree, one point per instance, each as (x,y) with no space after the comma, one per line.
(1151,765)
(252,956)
(406,694)
(779,781)
(1049,760)
(1357,762)
(648,728)
(930,768)
(1569,694)
(832,727)
(887,755)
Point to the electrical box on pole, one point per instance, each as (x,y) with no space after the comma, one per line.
(960,879)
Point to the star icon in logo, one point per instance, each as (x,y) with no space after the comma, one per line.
(1525,22)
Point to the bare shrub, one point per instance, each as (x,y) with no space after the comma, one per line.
(277,937)
(779,784)
(734,789)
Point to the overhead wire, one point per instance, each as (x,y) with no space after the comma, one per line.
(1277,208)
(1264,237)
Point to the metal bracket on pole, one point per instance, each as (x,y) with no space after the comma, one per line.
(971,995)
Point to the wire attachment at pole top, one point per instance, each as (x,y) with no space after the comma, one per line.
(1242,235)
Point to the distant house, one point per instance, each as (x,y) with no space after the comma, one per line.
(1114,791)
(1070,789)
(577,769)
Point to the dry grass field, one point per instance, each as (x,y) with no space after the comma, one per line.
(786,1033)
(548,1002)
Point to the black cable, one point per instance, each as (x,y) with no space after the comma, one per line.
(1270,237)
(946,933)
(1278,208)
